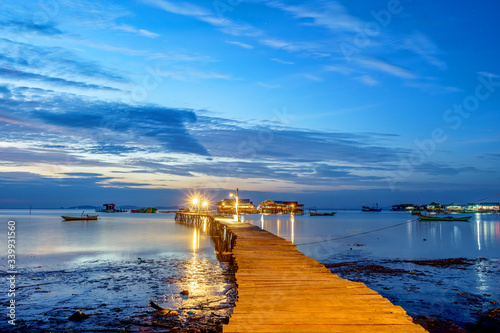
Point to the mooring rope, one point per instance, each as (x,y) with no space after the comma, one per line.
(361,233)
(485,198)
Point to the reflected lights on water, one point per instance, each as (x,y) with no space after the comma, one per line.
(196,239)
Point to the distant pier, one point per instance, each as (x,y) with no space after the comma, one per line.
(282,290)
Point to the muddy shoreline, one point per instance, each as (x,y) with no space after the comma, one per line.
(116,296)
(442,295)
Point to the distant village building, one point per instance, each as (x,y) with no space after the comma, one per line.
(281,207)
(110,208)
(434,206)
(403,207)
(455,207)
(493,207)
(228,206)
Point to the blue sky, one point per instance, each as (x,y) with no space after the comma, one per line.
(333,103)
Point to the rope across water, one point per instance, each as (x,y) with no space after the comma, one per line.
(361,233)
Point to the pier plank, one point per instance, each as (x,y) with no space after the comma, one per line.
(282,290)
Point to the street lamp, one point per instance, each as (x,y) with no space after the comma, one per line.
(195,203)
(237,202)
(205,204)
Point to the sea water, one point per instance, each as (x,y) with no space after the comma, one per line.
(386,235)
(109,269)
(412,263)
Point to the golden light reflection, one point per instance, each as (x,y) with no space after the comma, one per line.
(292,220)
(196,239)
(478,233)
(194,279)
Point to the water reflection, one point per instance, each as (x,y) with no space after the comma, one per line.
(424,239)
(196,239)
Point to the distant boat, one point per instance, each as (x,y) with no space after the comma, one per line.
(314,212)
(371,209)
(79,218)
(442,218)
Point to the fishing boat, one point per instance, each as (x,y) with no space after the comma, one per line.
(314,212)
(442,218)
(80,218)
(371,209)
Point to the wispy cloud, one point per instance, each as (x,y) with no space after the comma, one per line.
(284,62)
(96,121)
(202,14)
(367,80)
(240,44)
(31,79)
(290,46)
(192,74)
(423,46)
(59,62)
(488,74)
(311,77)
(269,86)
(141,32)
(29,28)
(327,14)
(386,67)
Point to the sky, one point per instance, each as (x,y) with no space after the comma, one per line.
(332,103)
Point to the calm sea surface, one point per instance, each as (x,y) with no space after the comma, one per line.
(385,235)
(44,235)
(111,269)
(66,265)
(414,264)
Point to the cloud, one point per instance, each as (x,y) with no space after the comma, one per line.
(96,122)
(269,86)
(12,75)
(202,14)
(58,61)
(243,45)
(27,28)
(311,77)
(339,69)
(327,14)
(290,46)
(277,143)
(386,67)
(192,74)
(141,32)
(436,169)
(284,62)
(487,74)
(368,80)
(423,46)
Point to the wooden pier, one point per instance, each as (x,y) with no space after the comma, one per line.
(282,290)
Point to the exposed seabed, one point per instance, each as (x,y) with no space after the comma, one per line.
(115,296)
(419,286)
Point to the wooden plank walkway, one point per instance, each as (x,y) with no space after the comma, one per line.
(282,290)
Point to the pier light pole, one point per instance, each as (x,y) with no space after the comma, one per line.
(237,202)
(195,203)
